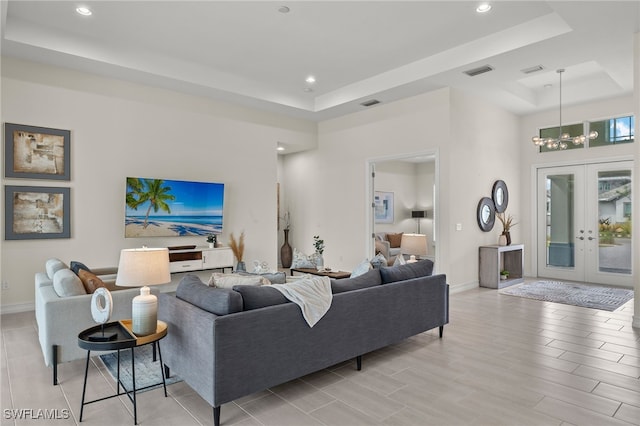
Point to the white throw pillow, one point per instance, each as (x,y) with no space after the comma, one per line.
(54,265)
(66,283)
(229,280)
(400,260)
(301,260)
(362,268)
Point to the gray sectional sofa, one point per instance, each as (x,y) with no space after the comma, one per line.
(229,343)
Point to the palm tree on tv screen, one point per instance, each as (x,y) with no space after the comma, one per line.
(139,191)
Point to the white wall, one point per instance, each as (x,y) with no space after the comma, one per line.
(331,182)
(398,177)
(121,129)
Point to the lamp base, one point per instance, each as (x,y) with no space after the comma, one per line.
(144,313)
(412,259)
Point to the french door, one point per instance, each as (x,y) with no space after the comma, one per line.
(584,223)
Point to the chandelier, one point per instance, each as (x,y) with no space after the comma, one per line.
(563,139)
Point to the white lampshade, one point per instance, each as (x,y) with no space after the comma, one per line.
(414,244)
(143,267)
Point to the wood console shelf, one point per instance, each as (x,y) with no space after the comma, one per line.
(200,258)
(495,258)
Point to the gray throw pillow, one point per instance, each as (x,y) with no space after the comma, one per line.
(392,274)
(66,283)
(259,297)
(76,267)
(219,301)
(368,279)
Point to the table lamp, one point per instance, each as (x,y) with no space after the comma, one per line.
(413,245)
(143,267)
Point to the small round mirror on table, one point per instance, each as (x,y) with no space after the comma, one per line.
(486,214)
(500,196)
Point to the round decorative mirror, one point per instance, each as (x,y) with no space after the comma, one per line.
(500,196)
(486,214)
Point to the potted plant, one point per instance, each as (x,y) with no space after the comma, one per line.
(319,246)
(504,274)
(507,224)
(237,247)
(212,240)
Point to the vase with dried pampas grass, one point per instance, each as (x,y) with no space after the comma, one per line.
(237,247)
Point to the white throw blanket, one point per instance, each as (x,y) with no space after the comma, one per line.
(311,293)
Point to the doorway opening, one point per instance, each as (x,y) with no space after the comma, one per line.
(403,194)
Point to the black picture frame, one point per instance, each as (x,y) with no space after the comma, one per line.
(486,214)
(500,196)
(33,152)
(37,212)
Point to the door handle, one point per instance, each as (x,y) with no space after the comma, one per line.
(590,238)
(580,238)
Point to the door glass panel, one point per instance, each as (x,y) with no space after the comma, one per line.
(614,217)
(559,220)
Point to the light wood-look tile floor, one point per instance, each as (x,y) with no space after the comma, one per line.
(504,360)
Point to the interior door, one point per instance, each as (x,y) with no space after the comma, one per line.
(584,223)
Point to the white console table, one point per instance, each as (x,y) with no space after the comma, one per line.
(200,258)
(495,258)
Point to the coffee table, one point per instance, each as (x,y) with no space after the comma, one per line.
(331,274)
(123,338)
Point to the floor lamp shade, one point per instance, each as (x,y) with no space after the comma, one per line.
(413,245)
(141,268)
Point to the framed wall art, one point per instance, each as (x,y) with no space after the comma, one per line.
(383,206)
(36,152)
(36,212)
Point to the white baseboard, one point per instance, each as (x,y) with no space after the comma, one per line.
(463,287)
(17,307)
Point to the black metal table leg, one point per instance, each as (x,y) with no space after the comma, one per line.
(164,382)
(133,379)
(84,386)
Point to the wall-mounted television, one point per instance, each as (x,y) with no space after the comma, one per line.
(172,208)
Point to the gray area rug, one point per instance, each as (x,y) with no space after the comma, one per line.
(587,296)
(148,373)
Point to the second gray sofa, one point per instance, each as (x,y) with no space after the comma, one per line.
(237,342)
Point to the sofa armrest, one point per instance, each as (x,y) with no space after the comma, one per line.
(192,328)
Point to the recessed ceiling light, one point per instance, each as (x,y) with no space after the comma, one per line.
(284,9)
(311,79)
(483,8)
(280,148)
(84,11)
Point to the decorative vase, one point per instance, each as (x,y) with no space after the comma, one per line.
(319,262)
(241,267)
(502,240)
(286,255)
(507,235)
(210,245)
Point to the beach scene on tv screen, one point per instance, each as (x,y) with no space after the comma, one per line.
(172,208)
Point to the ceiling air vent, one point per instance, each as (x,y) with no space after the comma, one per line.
(370,102)
(478,71)
(532,69)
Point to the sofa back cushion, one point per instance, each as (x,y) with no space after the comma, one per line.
(67,284)
(256,297)
(368,279)
(54,265)
(405,272)
(219,301)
